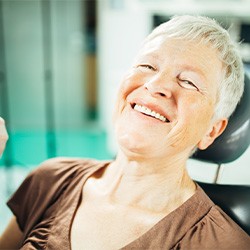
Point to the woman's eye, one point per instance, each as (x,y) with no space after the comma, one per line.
(147,66)
(188,85)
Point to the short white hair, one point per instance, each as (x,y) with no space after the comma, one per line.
(208,31)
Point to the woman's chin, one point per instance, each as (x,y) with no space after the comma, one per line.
(134,144)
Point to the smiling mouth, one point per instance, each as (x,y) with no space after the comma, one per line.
(146,111)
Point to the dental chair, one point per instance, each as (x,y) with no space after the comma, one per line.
(233,199)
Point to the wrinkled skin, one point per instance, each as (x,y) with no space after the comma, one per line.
(179,80)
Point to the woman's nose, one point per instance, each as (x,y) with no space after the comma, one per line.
(158,87)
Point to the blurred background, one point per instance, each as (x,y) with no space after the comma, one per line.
(61,62)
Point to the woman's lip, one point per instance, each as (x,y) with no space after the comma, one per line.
(152,107)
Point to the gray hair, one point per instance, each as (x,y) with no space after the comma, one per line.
(209,32)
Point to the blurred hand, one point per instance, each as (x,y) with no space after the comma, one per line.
(3,136)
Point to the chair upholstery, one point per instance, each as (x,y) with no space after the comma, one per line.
(233,199)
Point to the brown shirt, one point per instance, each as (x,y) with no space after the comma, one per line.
(47,200)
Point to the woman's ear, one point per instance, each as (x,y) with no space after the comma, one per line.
(214,131)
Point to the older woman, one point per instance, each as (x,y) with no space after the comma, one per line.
(184,84)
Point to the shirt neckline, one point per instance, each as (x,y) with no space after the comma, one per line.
(193,208)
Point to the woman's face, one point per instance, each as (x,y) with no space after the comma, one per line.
(167,99)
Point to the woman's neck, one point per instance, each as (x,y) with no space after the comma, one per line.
(147,184)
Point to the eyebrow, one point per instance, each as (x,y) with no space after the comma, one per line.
(193,69)
(198,70)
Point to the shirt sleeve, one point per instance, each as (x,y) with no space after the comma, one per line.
(215,231)
(38,191)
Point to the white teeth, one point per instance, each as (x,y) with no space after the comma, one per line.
(150,112)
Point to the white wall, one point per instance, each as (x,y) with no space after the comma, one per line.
(120,33)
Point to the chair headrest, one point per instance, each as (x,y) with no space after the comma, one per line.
(236,138)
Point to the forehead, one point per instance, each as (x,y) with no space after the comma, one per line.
(178,52)
(161,46)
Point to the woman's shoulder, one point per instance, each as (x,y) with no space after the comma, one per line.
(63,166)
(216,230)
(55,174)
(45,184)
(220,221)
(54,164)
